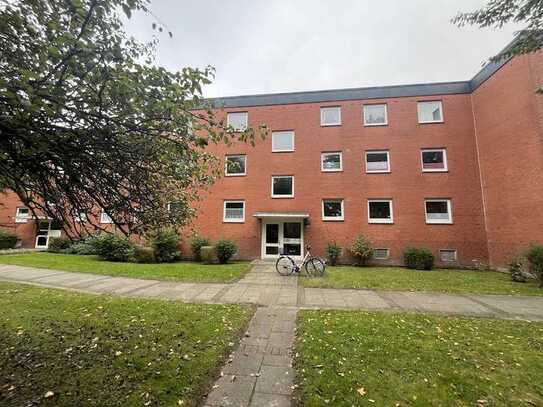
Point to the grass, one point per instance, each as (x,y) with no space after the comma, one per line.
(357,358)
(398,278)
(103,351)
(182,271)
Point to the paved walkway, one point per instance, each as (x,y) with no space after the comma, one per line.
(259,372)
(263,286)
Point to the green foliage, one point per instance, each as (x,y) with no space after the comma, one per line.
(165,244)
(225,250)
(196,243)
(418,258)
(111,247)
(208,254)
(83,104)
(534,255)
(59,244)
(333,251)
(7,240)
(515,269)
(497,13)
(144,255)
(361,249)
(84,246)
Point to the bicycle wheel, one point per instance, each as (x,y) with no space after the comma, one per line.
(285,265)
(315,267)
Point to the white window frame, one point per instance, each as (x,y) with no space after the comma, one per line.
(105,221)
(238,129)
(225,220)
(282,196)
(374,124)
(433,150)
(421,102)
(332,169)
(22,218)
(448,250)
(284,150)
(378,152)
(323,108)
(333,218)
(438,221)
(237,174)
(381,220)
(381,258)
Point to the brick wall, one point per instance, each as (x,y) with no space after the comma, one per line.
(508,118)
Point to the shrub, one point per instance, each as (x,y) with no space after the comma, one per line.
(196,243)
(7,240)
(515,268)
(165,243)
(225,250)
(333,252)
(418,258)
(112,247)
(534,255)
(361,249)
(144,255)
(84,246)
(207,254)
(59,244)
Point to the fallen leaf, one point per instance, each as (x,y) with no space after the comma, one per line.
(361,391)
(49,394)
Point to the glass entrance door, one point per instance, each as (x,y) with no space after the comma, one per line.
(282,237)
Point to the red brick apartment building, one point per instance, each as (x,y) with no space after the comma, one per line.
(455,167)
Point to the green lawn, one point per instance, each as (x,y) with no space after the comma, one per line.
(380,359)
(182,271)
(398,278)
(103,351)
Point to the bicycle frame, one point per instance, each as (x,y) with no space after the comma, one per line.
(304,260)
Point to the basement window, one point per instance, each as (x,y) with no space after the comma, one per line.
(381,254)
(447,255)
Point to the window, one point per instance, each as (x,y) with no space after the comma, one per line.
(377,161)
(80,217)
(430,112)
(238,120)
(105,218)
(438,211)
(332,209)
(380,211)
(331,162)
(434,160)
(235,165)
(22,215)
(282,141)
(331,116)
(282,186)
(375,115)
(175,207)
(447,255)
(234,211)
(381,254)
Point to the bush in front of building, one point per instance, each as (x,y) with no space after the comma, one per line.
(361,249)
(196,243)
(208,254)
(144,255)
(112,247)
(534,255)
(165,244)
(225,250)
(515,269)
(59,244)
(418,258)
(84,246)
(333,252)
(7,240)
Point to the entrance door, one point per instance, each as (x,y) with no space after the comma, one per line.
(282,237)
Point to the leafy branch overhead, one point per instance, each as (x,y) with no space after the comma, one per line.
(497,13)
(88,121)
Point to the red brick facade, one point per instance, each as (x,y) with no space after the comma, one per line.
(494,145)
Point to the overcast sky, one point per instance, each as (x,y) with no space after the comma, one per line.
(268,46)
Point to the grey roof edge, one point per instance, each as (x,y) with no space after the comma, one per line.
(366,93)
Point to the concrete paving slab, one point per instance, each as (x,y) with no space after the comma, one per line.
(231,390)
(275,380)
(270,400)
(28,274)
(512,305)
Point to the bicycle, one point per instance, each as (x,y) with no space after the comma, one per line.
(314,266)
